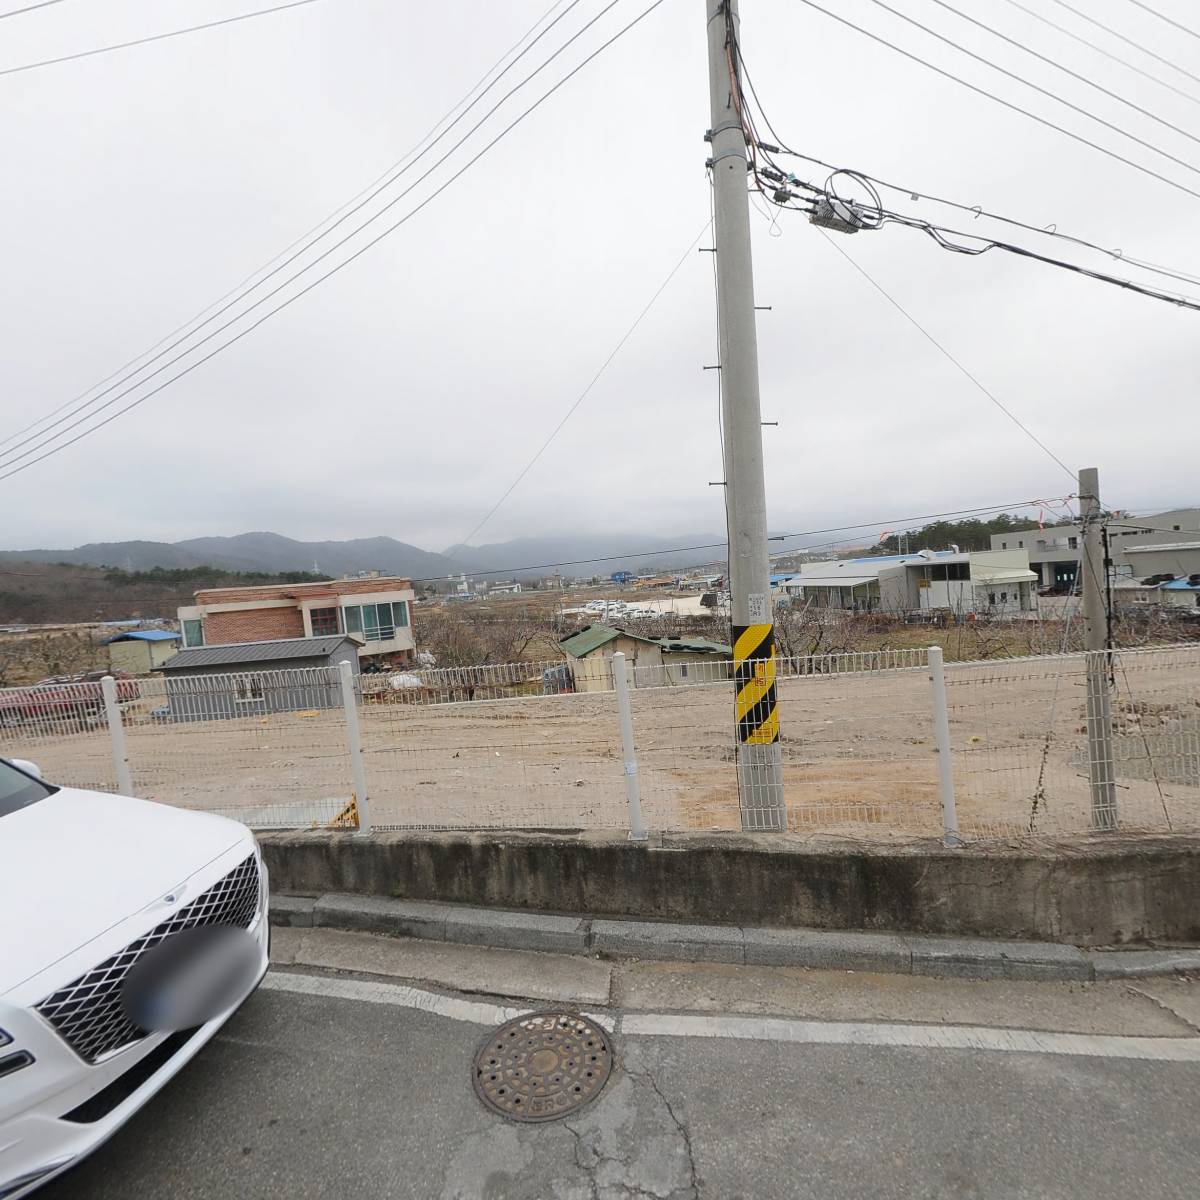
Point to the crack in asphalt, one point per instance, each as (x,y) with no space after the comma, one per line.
(693,1183)
(1167,1008)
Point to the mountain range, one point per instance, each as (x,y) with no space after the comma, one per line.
(272,552)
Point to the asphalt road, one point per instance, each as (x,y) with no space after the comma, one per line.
(314,1096)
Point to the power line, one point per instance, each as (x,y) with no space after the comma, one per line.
(1037,16)
(16,12)
(1139,527)
(157,37)
(874,216)
(942,349)
(240,293)
(782,537)
(1163,17)
(1166,62)
(662,287)
(345,262)
(975,209)
(939,232)
(1067,71)
(978,211)
(1007,104)
(1036,87)
(304,238)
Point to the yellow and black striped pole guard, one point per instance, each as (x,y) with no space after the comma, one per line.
(754,674)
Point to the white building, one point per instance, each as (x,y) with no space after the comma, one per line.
(986,581)
(1139,546)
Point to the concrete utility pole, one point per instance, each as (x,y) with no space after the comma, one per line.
(1094,565)
(760,775)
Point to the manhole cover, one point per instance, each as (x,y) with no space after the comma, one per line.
(542,1066)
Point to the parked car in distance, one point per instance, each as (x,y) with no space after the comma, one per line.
(141,929)
(66,698)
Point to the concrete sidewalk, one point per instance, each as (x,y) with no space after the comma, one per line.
(904,954)
(531,978)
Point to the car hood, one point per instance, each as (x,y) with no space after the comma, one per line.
(78,863)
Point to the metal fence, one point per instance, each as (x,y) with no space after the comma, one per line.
(871,746)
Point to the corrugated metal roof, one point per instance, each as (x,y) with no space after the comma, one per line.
(695,645)
(589,638)
(592,637)
(1145,548)
(242,653)
(830,580)
(144,635)
(1012,576)
(1180,585)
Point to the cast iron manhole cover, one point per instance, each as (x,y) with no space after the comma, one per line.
(543,1066)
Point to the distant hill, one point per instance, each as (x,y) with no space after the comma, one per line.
(33,593)
(251,552)
(272,552)
(542,554)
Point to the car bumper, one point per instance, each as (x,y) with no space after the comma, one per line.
(43,1141)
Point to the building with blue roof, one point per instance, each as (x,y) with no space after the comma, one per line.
(140,651)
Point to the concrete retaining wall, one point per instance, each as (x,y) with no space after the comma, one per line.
(1089,893)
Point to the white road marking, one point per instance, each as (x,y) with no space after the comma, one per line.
(925,1037)
(475,1011)
(761,1029)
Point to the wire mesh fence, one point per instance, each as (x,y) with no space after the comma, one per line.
(538,745)
(855,744)
(266,748)
(62,727)
(1024,761)
(538,761)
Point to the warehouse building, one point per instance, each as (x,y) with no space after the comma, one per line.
(986,581)
(249,679)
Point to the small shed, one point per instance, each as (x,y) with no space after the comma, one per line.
(593,647)
(241,679)
(140,651)
(1182,593)
(695,660)
(654,662)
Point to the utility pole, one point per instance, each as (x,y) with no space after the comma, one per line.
(1094,565)
(760,774)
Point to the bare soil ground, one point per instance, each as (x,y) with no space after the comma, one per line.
(858,756)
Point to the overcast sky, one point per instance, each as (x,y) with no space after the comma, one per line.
(404,394)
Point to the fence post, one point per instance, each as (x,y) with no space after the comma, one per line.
(637,830)
(941,736)
(354,742)
(116,734)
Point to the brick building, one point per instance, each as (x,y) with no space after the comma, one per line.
(375,611)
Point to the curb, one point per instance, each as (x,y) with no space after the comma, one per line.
(901,954)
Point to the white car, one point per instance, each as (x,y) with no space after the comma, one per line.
(90,885)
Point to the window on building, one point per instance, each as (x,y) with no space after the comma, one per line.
(1175,527)
(1020,543)
(193,633)
(1003,545)
(324,622)
(248,689)
(683,671)
(944,571)
(991,597)
(1072,543)
(377,622)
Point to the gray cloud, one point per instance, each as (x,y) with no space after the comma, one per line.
(403,395)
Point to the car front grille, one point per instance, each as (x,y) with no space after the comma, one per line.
(87,1013)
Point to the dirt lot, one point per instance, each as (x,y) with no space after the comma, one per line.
(857,748)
